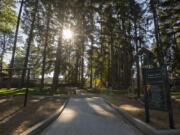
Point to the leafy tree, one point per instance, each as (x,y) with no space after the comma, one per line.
(170,31)
(16,34)
(7,24)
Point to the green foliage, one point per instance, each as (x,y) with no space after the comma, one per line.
(32,91)
(7,16)
(107,36)
(170,32)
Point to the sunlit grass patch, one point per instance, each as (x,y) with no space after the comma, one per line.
(16,91)
(12,91)
(176,94)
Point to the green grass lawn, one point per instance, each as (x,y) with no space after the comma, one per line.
(61,91)
(21,91)
(32,91)
(106,91)
(12,91)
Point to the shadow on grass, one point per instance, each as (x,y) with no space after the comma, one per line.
(24,117)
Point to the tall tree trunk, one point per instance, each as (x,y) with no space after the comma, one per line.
(82,64)
(76,67)
(101,66)
(101,42)
(16,35)
(82,52)
(30,39)
(3,51)
(45,48)
(92,43)
(91,63)
(153,4)
(57,65)
(109,68)
(137,61)
(111,62)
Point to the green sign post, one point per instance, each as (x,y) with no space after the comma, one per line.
(157,92)
(153,76)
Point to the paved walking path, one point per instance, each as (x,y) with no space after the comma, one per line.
(90,116)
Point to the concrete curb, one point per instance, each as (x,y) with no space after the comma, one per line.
(36,129)
(142,126)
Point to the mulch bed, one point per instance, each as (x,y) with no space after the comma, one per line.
(15,119)
(159,119)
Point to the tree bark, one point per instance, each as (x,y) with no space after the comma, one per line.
(45,48)
(82,64)
(57,65)
(153,4)
(30,39)
(76,67)
(3,51)
(137,61)
(91,63)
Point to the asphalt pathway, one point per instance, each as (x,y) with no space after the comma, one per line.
(90,116)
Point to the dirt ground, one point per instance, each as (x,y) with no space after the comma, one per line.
(14,118)
(158,119)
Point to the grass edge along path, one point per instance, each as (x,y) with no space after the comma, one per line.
(135,108)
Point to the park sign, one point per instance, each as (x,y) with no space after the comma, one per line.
(152,76)
(157,92)
(155,78)
(157,98)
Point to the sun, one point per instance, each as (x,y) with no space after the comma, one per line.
(67,34)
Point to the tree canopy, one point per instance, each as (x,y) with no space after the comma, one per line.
(107,36)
